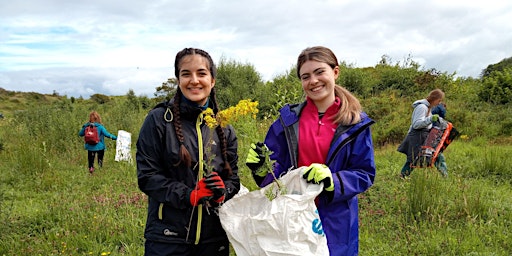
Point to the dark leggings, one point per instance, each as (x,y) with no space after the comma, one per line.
(92,154)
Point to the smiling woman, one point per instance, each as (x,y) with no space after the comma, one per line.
(195,79)
(330,136)
(186,171)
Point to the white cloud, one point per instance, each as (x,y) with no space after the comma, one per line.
(110,47)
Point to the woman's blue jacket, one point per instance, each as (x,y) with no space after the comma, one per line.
(351,161)
(102,133)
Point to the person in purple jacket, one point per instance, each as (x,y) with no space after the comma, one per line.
(330,134)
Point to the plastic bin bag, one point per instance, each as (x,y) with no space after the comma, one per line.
(123,146)
(287,225)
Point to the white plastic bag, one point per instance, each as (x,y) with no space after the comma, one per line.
(286,225)
(123,146)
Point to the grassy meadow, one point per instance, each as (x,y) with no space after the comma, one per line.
(51,205)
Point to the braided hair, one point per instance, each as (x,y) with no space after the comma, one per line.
(185,157)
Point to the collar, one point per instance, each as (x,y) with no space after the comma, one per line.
(193,104)
(331,110)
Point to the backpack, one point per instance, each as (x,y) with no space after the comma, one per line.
(91,134)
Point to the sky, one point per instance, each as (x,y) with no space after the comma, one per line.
(80,48)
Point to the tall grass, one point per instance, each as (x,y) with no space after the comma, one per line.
(464,214)
(51,205)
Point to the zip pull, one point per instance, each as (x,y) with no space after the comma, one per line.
(320,124)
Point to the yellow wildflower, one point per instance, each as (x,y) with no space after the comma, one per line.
(231,114)
(209,118)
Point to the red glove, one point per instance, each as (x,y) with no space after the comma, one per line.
(200,194)
(215,183)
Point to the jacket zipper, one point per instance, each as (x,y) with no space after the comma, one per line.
(199,175)
(347,140)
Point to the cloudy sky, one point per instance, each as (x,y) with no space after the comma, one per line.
(78,48)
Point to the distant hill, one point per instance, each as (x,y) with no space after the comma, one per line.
(11,101)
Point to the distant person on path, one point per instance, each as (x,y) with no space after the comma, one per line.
(98,148)
(421,123)
(184,187)
(330,134)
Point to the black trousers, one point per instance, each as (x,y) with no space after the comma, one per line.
(92,154)
(220,248)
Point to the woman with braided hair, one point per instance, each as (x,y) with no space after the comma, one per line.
(183,185)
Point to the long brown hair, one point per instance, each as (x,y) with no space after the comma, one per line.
(185,157)
(350,110)
(436,94)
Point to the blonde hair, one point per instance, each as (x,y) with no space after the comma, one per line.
(350,110)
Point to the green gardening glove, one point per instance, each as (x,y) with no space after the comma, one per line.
(434,118)
(317,173)
(256,158)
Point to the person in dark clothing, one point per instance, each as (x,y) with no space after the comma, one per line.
(184,183)
(330,134)
(439,109)
(421,123)
(98,149)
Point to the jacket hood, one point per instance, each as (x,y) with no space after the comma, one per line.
(422,101)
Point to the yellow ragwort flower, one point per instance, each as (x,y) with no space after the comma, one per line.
(209,118)
(231,114)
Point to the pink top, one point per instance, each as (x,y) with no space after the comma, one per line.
(315,134)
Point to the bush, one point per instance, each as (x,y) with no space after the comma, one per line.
(497,87)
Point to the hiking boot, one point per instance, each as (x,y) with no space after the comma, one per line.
(91,170)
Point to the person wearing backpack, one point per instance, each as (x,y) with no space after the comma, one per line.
(94,134)
(440,163)
(421,123)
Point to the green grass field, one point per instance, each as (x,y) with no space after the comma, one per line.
(51,205)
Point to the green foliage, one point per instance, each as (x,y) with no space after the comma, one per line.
(497,87)
(236,81)
(166,90)
(283,89)
(357,80)
(398,76)
(100,98)
(490,163)
(500,66)
(391,115)
(132,102)
(431,215)
(51,205)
